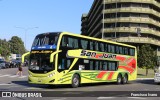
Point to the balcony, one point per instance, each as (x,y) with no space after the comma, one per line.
(134,10)
(133,19)
(135,1)
(137,40)
(132,30)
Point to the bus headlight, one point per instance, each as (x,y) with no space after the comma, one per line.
(50,75)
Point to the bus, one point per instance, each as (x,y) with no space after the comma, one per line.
(65,58)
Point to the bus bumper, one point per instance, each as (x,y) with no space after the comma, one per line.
(41,80)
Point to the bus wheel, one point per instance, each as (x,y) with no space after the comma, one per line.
(75,81)
(125,79)
(119,79)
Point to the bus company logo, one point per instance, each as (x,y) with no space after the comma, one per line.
(95,55)
(6,94)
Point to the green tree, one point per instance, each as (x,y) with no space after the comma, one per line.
(4,48)
(146,57)
(17,45)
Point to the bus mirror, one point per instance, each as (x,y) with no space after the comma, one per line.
(24,55)
(52,55)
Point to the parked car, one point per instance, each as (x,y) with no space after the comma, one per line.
(15,63)
(7,64)
(2,64)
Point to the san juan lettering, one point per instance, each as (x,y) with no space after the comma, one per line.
(95,55)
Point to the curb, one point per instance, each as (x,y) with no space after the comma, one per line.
(144,78)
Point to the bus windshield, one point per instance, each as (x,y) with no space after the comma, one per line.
(40,63)
(46,39)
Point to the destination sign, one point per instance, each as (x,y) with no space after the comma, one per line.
(43,51)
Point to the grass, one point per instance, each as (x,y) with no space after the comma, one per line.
(141,73)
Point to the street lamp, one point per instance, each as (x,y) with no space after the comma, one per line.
(25,31)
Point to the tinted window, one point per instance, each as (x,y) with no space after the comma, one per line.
(45,39)
(84,44)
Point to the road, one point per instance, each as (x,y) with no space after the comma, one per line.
(106,91)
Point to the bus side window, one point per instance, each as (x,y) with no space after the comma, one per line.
(109,48)
(105,66)
(117,50)
(84,44)
(68,63)
(100,65)
(102,47)
(96,65)
(131,52)
(112,66)
(106,48)
(120,50)
(96,46)
(91,65)
(109,66)
(61,64)
(112,48)
(70,42)
(64,41)
(75,43)
(91,45)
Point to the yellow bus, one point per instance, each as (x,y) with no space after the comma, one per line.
(67,58)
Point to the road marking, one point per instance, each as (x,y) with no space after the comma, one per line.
(59,99)
(106,97)
(33,88)
(5,84)
(22,76)
(5,75)
(13,86)
(144,78)
(136,98)
(13,76)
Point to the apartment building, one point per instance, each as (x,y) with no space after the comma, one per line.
(133,22)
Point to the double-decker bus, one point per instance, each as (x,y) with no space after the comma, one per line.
(67,58)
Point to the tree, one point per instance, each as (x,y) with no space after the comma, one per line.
(146,57)
(17,45)
(4,48)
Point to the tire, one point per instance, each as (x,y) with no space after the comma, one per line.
(75,81)
(125,79)
(119,79)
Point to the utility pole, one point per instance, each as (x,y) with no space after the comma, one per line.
(103,19)
(25,32)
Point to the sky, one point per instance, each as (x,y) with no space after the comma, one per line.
(39,16)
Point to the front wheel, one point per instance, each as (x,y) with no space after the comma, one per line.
(75,81)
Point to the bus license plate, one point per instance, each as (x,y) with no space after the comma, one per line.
(39,80)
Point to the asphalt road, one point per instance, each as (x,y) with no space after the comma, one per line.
(106,91)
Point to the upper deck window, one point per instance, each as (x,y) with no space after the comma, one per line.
(46,39)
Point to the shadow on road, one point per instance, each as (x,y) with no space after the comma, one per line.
(146,81)
(26,84)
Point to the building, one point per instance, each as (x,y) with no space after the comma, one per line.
(133,22)
(15,57)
